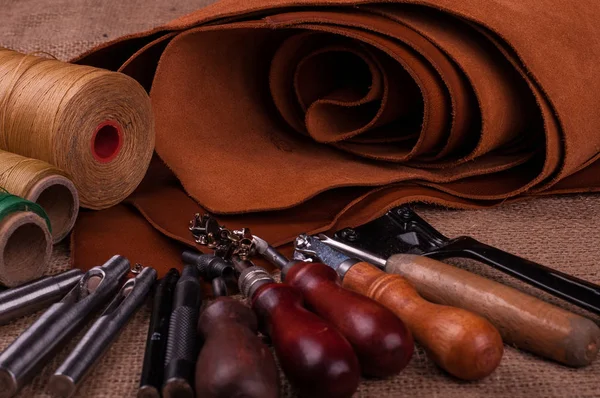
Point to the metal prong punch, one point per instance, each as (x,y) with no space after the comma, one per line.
(102,333)
(225,242)
(33,348)
(401,230)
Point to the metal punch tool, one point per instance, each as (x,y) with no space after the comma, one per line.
(102,333)
(27,299)
(35,346)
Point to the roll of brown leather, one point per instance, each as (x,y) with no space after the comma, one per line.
(300,115)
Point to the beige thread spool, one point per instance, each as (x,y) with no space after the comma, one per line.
(25,248)
(94,124)
(44,184)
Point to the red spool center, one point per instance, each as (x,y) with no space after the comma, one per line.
(107,141)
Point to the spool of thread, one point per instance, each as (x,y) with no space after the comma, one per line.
(25,240)
(94,124)
(44,184)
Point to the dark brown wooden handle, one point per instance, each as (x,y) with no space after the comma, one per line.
(316,358)
(382,342)
(523,320)
(464,344)
(233,362)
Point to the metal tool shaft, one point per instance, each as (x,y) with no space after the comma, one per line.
(181,343)
(354,251)
(33,296)
(34,347)
(156,344)
(101,334)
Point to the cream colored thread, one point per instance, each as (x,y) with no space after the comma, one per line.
(18,174)
(50,110)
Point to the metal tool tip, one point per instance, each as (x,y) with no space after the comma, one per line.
(61,385)
(148,392)
(260,244)
(302,241)
(177,388)
(8,383)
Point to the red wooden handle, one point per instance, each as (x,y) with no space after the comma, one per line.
(317,359)
(382,342)
(233,362)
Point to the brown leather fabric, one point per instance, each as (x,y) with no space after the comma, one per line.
(561,232)
(290,116)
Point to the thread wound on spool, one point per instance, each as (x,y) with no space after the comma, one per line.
(10,204)
(42,183)
(107,141)
(94,124)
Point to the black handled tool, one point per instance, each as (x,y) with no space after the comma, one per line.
(401,230)
(102,334)
(212,268)
(156,344)
(34,347)
(181,343)
(33,296)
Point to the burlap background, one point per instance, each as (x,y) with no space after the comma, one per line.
(562,232)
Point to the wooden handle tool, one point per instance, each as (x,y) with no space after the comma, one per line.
(464,344)
(524,321)
(316,358)
(233,362)
(383,344)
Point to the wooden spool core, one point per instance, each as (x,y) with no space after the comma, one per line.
(58,196)
(25,248)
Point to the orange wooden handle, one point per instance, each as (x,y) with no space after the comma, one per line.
(523,320)
(464,344)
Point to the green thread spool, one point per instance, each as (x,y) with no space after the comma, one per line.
(25,240)
(44,184)
(10,204)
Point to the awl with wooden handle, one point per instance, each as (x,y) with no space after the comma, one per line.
(316,358)
(524,321)
(383,344)
(461,342)
(233,362)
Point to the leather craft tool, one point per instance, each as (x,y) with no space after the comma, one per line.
(462,343)
(212,268)
(401,230)
(156,344)
(34,347)
(102,334)
(383,344)
(524,321)
(219,287)
(317,360)
(233,362)
(33,296)
(182,349)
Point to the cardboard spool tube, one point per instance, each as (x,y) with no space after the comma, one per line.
(25,248)
(58,196)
